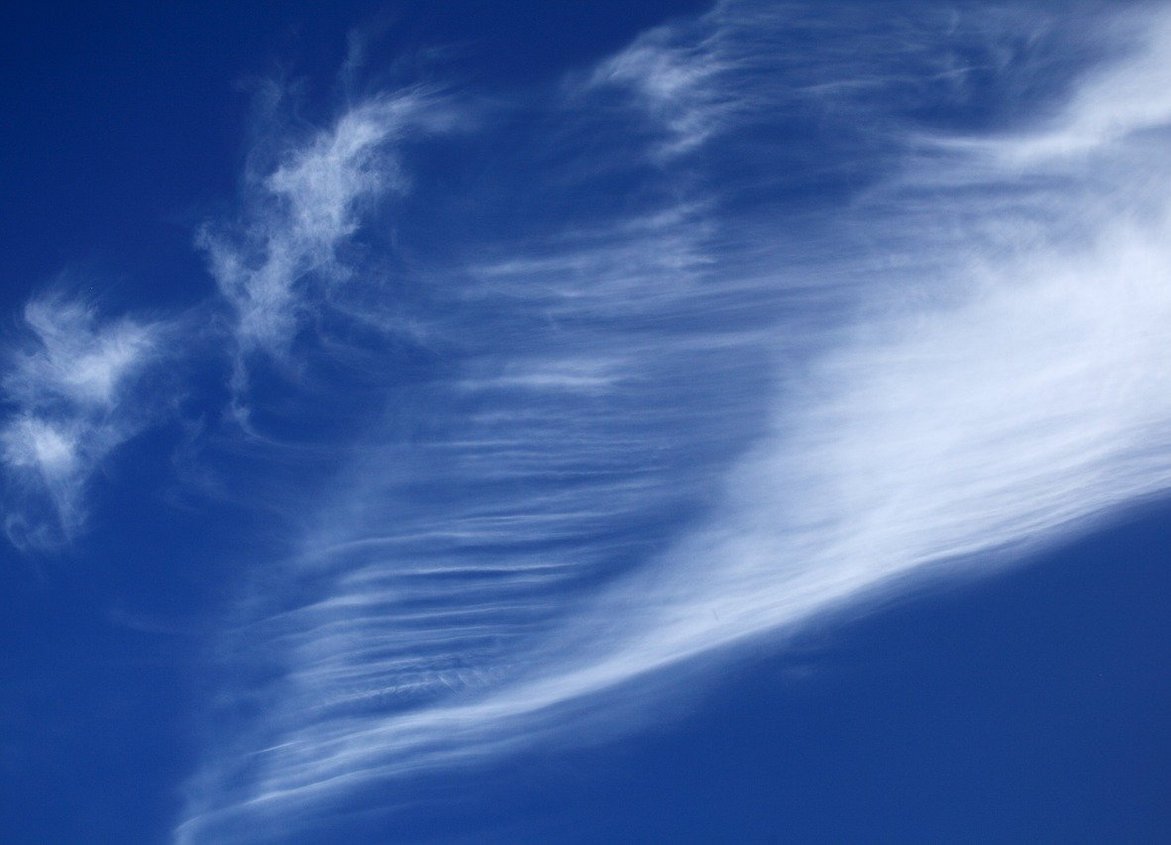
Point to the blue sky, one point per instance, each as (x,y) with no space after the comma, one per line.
(577,422)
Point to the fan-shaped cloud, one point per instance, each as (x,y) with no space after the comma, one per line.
(665,432)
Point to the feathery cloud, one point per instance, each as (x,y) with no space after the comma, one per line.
(659,437)
(278,261)
(74,389)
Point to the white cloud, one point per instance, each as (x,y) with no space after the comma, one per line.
(73,390)
(1000,381)
(274,264)
(74,359)
(1109,105)
(675,80)
(30,442)
(1114,103)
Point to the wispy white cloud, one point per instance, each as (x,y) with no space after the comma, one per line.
(76,358)
(743,65)
(73,390)
(1109,105)
(674,78)
(279,260)
(550,455)
(656,439)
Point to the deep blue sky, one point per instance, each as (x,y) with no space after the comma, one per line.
(732,321)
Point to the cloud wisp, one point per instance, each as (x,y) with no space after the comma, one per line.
(73,389)
(654,437)
(281,259)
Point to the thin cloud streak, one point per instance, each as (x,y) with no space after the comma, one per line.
(1000,381)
